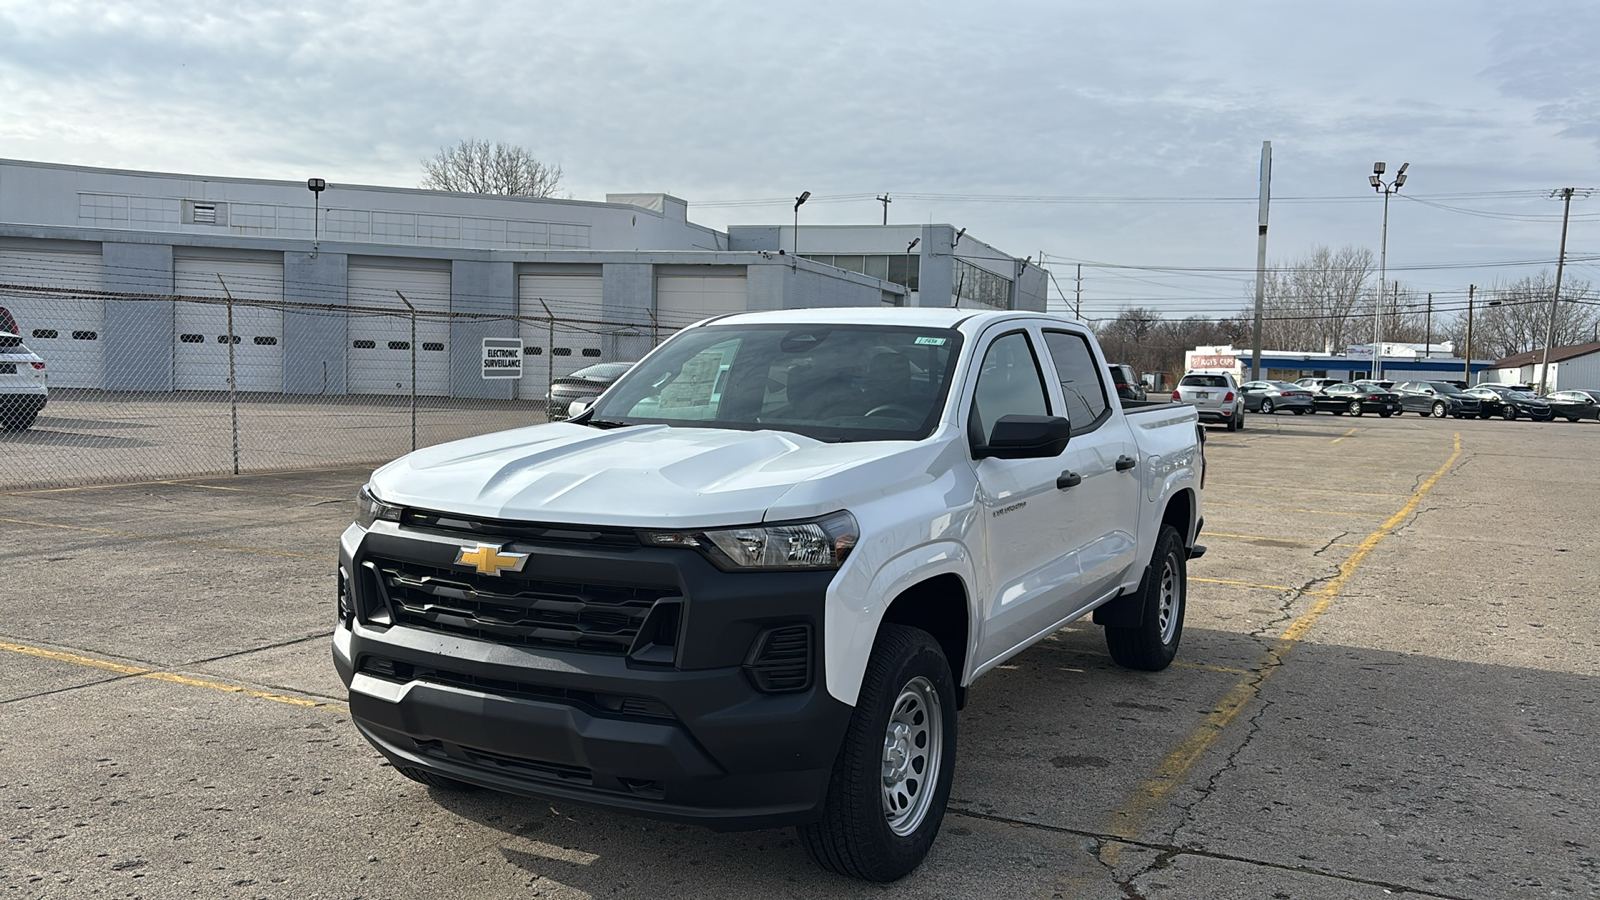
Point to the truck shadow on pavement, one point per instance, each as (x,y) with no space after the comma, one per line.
(1356,767)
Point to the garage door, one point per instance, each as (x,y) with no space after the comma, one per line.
(200,330)
(683,300)
(380,343)
(63,328)
(575,300)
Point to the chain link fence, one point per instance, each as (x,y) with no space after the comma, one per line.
(233,379)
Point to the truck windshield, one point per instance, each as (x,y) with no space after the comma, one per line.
(829,382)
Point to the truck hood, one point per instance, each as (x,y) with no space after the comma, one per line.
(641,476)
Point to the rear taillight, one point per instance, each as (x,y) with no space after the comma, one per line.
(1176,396)
(37,365)
(1228,398)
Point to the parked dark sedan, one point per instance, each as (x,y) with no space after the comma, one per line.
(1356,399)
(1491,404)
(1510,403)
(1575,405)
(1437,399)
(582,386)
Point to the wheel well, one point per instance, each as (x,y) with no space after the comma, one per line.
(939,607)
(1180,515)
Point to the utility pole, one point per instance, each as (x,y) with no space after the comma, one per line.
(1427,342)
(1466,373)
(1077,295)
(885,201)
(1550,331)
(1261,256)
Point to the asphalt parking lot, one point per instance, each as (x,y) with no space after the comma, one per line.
(1389,685)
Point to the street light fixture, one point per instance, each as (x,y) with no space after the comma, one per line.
(316,186)
(1385,188)
(799,202)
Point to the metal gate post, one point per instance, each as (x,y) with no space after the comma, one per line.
(233,393)
(413,367)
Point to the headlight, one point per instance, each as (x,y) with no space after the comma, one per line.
(370,509)
(818,544)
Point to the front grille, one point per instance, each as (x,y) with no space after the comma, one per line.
(507,609)
(501,529)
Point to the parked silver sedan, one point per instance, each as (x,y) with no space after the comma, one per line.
(1270,396)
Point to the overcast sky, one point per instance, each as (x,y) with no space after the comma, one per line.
(1015,115)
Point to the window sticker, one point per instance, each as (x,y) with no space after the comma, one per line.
(931,341)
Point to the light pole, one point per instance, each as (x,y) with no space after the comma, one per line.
(316,186)
(1565,195)
(1385,188)
(799,202)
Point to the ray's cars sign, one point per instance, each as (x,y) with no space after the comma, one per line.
(502,357)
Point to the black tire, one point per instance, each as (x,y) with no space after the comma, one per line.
(1484,414)
(442,782)
(1571,419)
(1300,412)
(1239,420)
(854,836)
(1509,414)
(1440,409)
(1355,407)
(17,420)
(1151,645)
(1266,407)
(1385,413)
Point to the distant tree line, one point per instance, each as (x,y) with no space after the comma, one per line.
(1325,300)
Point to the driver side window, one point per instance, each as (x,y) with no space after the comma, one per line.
(1008,384)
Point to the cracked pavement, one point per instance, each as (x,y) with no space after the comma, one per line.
(1432,733)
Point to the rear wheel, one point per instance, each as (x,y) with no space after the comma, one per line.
(891,781)
(1509,413)
(1439,410)
(1355,407)
(1571,419)
(1239,421)
(1300,412)
(1385,413)
(1153,643)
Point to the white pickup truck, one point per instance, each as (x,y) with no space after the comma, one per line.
(751,585)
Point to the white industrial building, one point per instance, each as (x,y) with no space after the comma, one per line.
(1572,368)
(119,278)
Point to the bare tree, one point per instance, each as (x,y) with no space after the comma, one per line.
(1316,300)
(479,167)
(1517,321)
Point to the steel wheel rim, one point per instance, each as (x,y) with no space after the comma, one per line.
(913,752)
(1167,602)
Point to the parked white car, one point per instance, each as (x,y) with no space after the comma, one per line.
(22,384)
(1215,396)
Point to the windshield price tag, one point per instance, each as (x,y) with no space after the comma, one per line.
(931,341)
(502,357)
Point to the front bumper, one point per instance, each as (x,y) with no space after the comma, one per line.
(681,733)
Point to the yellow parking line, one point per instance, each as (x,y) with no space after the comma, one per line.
(162,537)
(1346,434)
(1129,820)
(123,669)
(1248,584)
(1315,512)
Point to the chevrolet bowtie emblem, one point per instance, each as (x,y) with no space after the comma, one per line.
(488,559)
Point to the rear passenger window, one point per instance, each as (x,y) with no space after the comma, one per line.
(1081,387)
(1008,384)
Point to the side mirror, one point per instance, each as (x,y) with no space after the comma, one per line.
(1026,437)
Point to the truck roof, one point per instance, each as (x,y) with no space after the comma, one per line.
(933,317)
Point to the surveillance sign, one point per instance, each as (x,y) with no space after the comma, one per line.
(502,357)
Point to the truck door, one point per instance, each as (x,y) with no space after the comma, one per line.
(1022,510)
(1101,512)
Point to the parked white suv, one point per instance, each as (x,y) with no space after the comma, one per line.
(22,384)
(1215,396)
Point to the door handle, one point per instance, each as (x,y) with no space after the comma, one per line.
(1124,463)
(1068,479)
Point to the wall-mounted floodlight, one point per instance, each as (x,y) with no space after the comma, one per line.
(316,186)
(958,238)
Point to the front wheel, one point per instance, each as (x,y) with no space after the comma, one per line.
(1355,407)
(1439,409)
(1571,419)
(1266,407)
(891,781)
(1152,644)
(1509,414)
